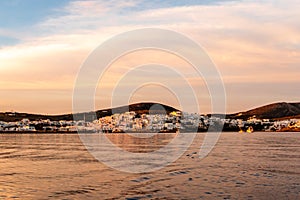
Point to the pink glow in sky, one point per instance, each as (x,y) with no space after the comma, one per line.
(254,44)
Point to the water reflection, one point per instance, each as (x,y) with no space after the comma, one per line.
(256,166)
(136,144)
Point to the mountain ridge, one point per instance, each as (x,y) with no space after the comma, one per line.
(139,108)
(280,110)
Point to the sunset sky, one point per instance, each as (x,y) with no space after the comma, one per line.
(254,44)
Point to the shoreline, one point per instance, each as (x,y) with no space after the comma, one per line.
(75,132)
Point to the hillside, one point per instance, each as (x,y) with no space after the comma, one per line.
(271,111)
(140,108)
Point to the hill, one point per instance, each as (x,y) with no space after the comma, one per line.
(280,110)
(139,108)
(272,111)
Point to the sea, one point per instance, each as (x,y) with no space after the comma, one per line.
(259,165)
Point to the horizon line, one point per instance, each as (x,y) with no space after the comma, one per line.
(153,102)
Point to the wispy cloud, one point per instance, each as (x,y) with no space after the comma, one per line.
(250,41)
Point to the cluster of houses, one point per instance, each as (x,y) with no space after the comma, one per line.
(25,125)
(133,122)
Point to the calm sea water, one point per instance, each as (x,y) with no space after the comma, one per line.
(241,166)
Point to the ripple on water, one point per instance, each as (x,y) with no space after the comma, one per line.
(38,166)
(176,173)
(142,179)
(71,192)
(133,198)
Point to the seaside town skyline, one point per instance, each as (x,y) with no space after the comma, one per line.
(132,122)
(154,118)
(254,44)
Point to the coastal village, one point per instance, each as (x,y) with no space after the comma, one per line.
(175,121)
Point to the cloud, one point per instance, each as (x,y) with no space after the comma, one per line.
(87,15)
(250,41)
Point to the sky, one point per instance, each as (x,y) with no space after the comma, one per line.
(254,44)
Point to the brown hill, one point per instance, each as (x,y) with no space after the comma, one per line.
(140,108)
(271,111)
